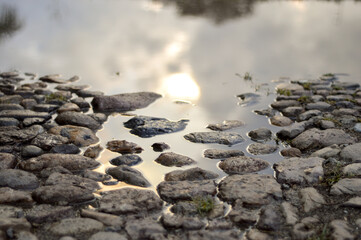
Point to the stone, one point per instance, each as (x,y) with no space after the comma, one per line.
(354,202)
(352,153)
(192,223)
(184,208)
(9,74)
(43,107)
(68,107)
(242,165)
(226,125)
(251,189)
(260,134)
(52,78)
(309,114)
(160,146)
(9,122)
(127,159)
(123,147)
(14,99)
(299,170)
(145,229)
(16,224)
(80,136)
(321,106)
(47,141)
(290,213)
(226,138)
(88,93)
(145,127)
(327,152)
(292,112)
(261,148)
(222,153)
(12,136)
(76,227)
(10,106)
(305,229)
(105,218)
(247,99)
(266,112)
(77,119)
(72,162)
(99,117)
(11,196)
(350,186)
(353,169)
(124,102)
(18,179)
(7,161)
(11,212)
(81,102)
(192,174)
(107,236)
(93,152)
(325,124)
(346,85)
(292,131)
(128,175)
(65,149)
(130,201)
(291,152)
(341,230)
(96,176)
(22,114)
(357,127)
(311,199)
(172,221)
(47,213)
(243,217)
(27,122)
(69,179)
(213,235)
(255,234)
(62,195)
(71,88)
(269,219)
(289,86)
(315,138)
(171,159)
(345,111)
(173,191)
(280,121)
(279,105)
(45,173)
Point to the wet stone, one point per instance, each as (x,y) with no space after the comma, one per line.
(347,186)
(309,114)
(16,224)
(281,121)
(325,124)
(255,234)
(10,106)
(327,152)
(279,105)
(292,112)
(357,127)
(243,217)
(80,136)
(18,179)
(47,141)
(123,147)
(128,159)
(47,213)
(11,136)
(145,229)
(99,117)
(76,227)
(346,85)
(68,107)
(128,175)
(31,121)
(96,176)
(45,173)
(260,134)
(354,202)
(15,197)
(31,151)
(261,148)
(160,146)
(242,165)
(53,78)
(77,119)
(93,152)
(226,125)
(226,138)
(292,131)
(65,149)
(105,218)
(71,88)
(107,236)
(291,152)
(321,106)
(22,114)
(43,107)
(184,208)
(81,102)
(170,159)
(9,122)
(7,161)
(8,99)
(269,219)
(266,112)
(69,179)
(311,199)
(192,174)
(88,93)
(221,153)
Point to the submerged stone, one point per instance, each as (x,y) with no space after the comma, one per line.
(260,134)
(226,138)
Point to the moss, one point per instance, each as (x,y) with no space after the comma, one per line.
(333,175)
(284,92)
(335,121)
(335,87)
(306,86)
(328,75)
(323,234)
(247,76)
(54,96)
(204,204)
(304,99)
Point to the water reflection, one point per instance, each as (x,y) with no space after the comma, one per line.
(9,21)
(181,86)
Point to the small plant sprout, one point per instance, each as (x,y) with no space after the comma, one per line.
(285,92)
(54,96)
(304,99)
(247,76)
(204,204)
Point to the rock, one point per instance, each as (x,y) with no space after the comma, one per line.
(80,136)
(128,159)
(292,131)
(69,179)
(357,127)
(11,212)
(18,179)
(315,138)
(352,153)
(65,149)
(311,199)
(345,111)
(290,213)
(346,85)
(173,191)
(22,114)
(124,102)
(10,106)
(242,165)
(76,227)
(145,127)
(299,170)
(354,202)
(130,201)
(31,151)
(243,217)
(123,147)
(351,186)
(291,152)
(77,119)
(269,219)
(99,117)
(226,125)
(325,124)
(327,152)
(7,161)
(280,121)
(145,229)
(226,138)
(9,74)
(81,102)
(222,153)
(12,136)
(184,208)
(170,159)
(68,107)
(96,176)
(128,175)
(105,218)
(192,223)
(72,162)
(309,114)
(27,122)
(266,112)
(74,78)
(160,147)
(255,234)
(53,78)
(88,93)
(213,235)
(43,107)
(47,213)
(292,112)
(279,105)
(10,196)
(321,106)
(260,134)
(261,148)
(16,224)
(192,174)
(341,230)
(9,122)
(45,173)
(71,88)
(107,236)
(14,99)
(353,169)
(93,152)
(62,195)
(247,99)
(47,141)
(172,221)
(289,86)
(305,229)
(251,189)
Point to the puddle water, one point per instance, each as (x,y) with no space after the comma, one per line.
(196,56)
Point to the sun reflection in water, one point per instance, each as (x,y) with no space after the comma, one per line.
(181,86)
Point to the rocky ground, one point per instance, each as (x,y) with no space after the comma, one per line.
(48,190)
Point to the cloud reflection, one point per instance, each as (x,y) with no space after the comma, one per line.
(181,86)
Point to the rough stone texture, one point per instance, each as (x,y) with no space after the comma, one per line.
(123,147)
(128,175)
(291,152)
(46,141)
(213,235)
(269,219)
(311,199)
(226,125)
(261,148)
(243,217)
(81,102)
(170,159)
(107,236)
(172,221)
(80,136)
(124,102)
(10,212)
(305,229)
(321,106)
(43,107)
(341,230)
(93,152)
(67,107)
(292,131)
(192,174)
(315,138)
(160,146)
(351,186)
(16,224)
(290,213)
(255,234)
(260,134)
(128,159)
(354,202)
(12,136)
(11,196)
(22,114)
(7,161)
(9,122)
(309,114)
(72,162)
(76,227)
(173,191)
(68,179)
(129,201)
(251,189)
(226,138)
(222,153)
(242,164)
(327,152)
(96,176)
(299,170)
(47,213)
(65,149)
(145,229)
(280,121)
(71,88)
(279,105)
(352,153)
(292,112)
(77,119)
(46,172)
(88,93)
(357,127)
(266,112)
(289,86)
(10,106)
(144,126)
(105,218)
(18,179)
(31,151)
(353,169)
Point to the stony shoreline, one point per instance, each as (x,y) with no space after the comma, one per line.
(48,190)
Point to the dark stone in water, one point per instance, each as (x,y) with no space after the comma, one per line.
(128,175)
(247,99)
(65,149)
(129,160)
(227,138)
(160,147)
(123,147)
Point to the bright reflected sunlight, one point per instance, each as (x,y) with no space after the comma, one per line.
(181,86)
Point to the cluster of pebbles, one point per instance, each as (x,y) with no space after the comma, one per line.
(49,189)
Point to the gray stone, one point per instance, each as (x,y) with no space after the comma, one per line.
(47,141)
(22,114)
(10,106)
(321,106)
(31,151)
(107,236)
(12,136)
(299,170)
(345,111)
(18,179)
(47,213)
(327,152)
(222,153)
(124,102)
(71,88)
(127,159)
(291,152)
(43,107)
(9,74)
(279,105)
(81,102)
(192,223)
(226,125)
(45,173)
(16,224)
(325,124)
(267,112)
(269,219)
(170,159)
(99,117)
(67,107)
(105,218)
(129,201)
(9,122)
(160,146)
(289,86)
(11,212)
(292,111)
(346,85)
(88,93)
(128,175)
(353,169)
(69,179)
(145,229)
(243,217)
(65,149)
(76,227)
(309,114)
(7,161)
(357,127)
(192,174)
(261,148)
(27,122)
(123,147)
(15,99)
(311,199)
(11,196)
(290,213)
(255,234)
(242,165)
(292,131)
(341,230)
(184,208)
(354,202)
(305,229)
(77,119)
(226,138)
(213,235)
(280,121)
(52,78)
(251,189)
(260,134)
(351,186)
(173,191)
(80,136)
(93,152)
(352,153)
(172,221)
(96,176)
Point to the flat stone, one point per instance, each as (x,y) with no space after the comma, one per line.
(280,121)
(354,202)
(11,196)
(269,218)
(173,191)
(251,189)
(10,106)
(192,223)
(71,88)
(107,236)
(279,105)
(213,235)
(65,149)
(266,112)
(72,162)
(192,174)
(18,179)
(299,170)
(16,224)
(127,159)
(345,111)
(27,122)
(184,208)
(255,234)
(47,141)
(226,138)
(128,175)
(353,169)
(170,159)
(130,201)
(291,152)
(81,102)
(325,124)
(321,106)
(341,230)
(11,212)
(242,165)
(88,93)
(22,114)
(52,78)
(352,153)
(69,179)
(289,86)
(222,153)
(67,107)
(261,148)
(145,127)
(260,134)
(327,152)
(105,218)
(292,112)
(47,213)
(243,217)
(357,127)
(309,114)
(12,136)
(160,146)
(31,151)
(77,119)
(290,213)
(145,229)
(123,147)
(93,152)
(172,221)
(8,99)
(346,85)
(80,136)
(9,122)
(311,199)
(43,107)
(306,228)
(226,125)
(124,102)
(45,173)
(292,131)
(76,227)
(96,176)
(351,186)
(9,74)
(7,161)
